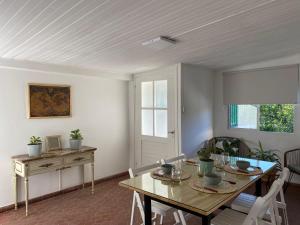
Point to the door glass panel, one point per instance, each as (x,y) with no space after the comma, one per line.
(147,94)
(147,122)
(160,94)
(161,123)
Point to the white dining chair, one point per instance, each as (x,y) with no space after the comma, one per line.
(156,207)
(173,159)
(179,215)
(256,213)
(244,201)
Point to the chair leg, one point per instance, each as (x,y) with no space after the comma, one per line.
(132,211)
(286,220)
(182,219)
(154,219)
(161,219)
(177,220)
(288,182)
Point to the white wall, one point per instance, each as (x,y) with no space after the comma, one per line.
(99,108)
(280,141)
(197,99)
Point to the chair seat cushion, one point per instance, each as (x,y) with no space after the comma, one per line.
(231,217)
(294,168)
(159,208)
(243,202)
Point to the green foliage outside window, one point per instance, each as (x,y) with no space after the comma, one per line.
(277,118)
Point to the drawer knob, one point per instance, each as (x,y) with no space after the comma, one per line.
(46,165)
(78,159)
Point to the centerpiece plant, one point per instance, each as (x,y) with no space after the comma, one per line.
(206,163)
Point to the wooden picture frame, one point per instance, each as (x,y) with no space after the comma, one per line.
(53,143)
(48,101)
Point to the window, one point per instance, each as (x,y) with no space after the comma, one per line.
(243,116)
(155,108)
(270,117)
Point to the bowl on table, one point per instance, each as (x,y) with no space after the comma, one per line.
(212,179)
(242,164)
(167,168)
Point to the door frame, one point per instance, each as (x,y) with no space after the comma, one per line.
(135,140)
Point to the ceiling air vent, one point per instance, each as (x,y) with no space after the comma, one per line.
(159,43)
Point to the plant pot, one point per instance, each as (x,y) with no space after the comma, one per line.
(75,144)
(206,166)
(34,150)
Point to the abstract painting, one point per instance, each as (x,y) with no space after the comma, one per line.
(48,101)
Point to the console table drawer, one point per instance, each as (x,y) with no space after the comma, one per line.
(74,159)
(44,165)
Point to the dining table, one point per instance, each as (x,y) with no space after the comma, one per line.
(181,195)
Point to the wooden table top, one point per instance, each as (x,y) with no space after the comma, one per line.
(52,154)
(182,195)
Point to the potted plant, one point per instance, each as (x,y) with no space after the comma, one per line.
(206,164)
(268,155)
(75,139)
(34,146)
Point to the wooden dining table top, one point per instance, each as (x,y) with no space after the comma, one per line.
(181,193)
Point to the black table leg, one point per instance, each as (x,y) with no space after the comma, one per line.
(148,213)
(205,220)
(258,186)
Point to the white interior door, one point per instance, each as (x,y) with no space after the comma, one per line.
(155,117)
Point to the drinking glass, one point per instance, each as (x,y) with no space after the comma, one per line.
(219,163)
(177,172)
(225,158)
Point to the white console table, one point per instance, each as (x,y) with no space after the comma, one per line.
(25,166)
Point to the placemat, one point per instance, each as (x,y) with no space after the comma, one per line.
(223,188)
(157,174)
(255,171)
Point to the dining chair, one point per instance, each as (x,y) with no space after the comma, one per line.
(244,202)
(256,213)
(179,215)
(292,161)
(157,208)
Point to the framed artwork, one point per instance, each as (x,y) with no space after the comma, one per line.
(53,143)
(49,101)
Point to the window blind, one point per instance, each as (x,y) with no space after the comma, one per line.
(276,85)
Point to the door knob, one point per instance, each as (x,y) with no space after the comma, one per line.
(172,132)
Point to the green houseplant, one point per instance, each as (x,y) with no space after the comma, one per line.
(34,146)
(268,155)
(75,139)
(206,164)
(231,147)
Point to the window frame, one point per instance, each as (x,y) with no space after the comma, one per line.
(258,121)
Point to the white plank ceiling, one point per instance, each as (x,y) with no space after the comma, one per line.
(107,35)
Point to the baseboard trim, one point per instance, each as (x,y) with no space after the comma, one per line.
(297,185)
(64,191)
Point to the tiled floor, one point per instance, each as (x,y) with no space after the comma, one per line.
(110,205)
